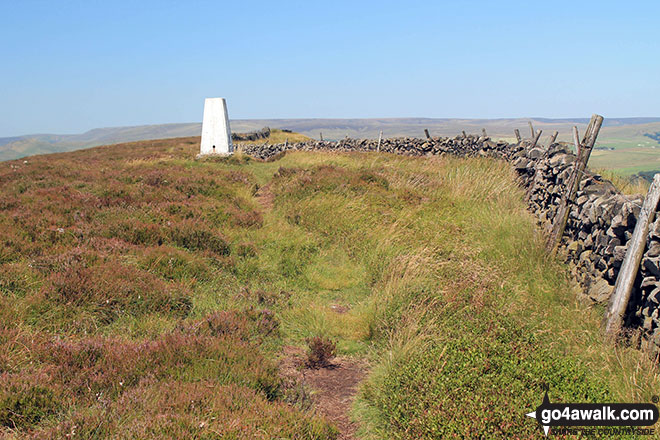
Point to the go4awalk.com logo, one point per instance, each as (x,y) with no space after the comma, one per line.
(612,418)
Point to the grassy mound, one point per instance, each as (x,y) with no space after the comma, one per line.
(146,294)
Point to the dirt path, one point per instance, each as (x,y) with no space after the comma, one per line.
(265,197)
(334,387)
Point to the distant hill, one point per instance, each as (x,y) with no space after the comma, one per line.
(20,146)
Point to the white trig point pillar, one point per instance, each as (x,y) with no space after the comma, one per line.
(216,134)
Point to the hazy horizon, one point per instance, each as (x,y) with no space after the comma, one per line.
(244,120)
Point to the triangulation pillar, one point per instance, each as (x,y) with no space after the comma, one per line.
(216,134)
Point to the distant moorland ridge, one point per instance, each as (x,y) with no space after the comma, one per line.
(615,128)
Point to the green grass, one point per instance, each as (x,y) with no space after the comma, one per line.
(136,280)
(633,152)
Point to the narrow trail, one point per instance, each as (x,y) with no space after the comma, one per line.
(265,197)
(334,387)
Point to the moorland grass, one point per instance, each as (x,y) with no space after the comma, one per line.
(147,294)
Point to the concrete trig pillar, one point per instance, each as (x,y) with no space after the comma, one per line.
(216,134)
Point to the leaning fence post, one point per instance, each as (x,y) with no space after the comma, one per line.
(380,138)
(561,217)
(428,135)
(626,278)
(464,134)
(576,139)
(517,132)
(536,138)
(553,138)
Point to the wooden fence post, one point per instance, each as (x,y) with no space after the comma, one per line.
(464,134)
(536,138)
(576,140)
(553,138)
(561,217)
(428,135)
(630,265)
(380,138)
(517,132)
(531,128)
(321,135)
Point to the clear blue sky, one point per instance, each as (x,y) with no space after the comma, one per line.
(69,66)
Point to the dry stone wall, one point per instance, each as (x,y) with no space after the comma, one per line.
(600,224)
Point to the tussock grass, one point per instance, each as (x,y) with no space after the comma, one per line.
(147,294)
(466,313)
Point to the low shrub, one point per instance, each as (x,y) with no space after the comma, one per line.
(96,367)
(320,350)
(195,236)
(246,218)
(137,232)
(200,410)
(23,405)
(246,250)
(110,289)
(18,279)
(249,324)
(175,264)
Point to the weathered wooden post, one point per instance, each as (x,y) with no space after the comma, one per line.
(517,132)
(531,128)
(428,135)
(553,138)
(561,217)
(626,278)
(464,134)
(576,140)
(321,136)
(536,138)
(380,138)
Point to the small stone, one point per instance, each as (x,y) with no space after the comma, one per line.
(648,323)
(521,164)
(600,291)
(655,229)
(620,252)
(648,281)
(654,249)
(652,265)
(575,247)
(585,256)
(589,241)
(535,153)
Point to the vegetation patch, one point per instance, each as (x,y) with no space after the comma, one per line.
(146,294)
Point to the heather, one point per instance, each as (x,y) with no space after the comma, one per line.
(146,294)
